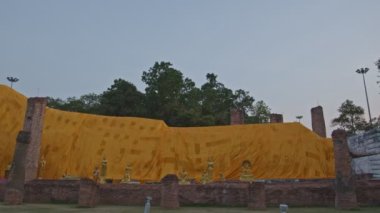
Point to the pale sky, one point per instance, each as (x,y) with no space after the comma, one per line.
(293,55)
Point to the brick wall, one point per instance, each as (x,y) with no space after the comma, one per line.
(51,191)
(219,193)
(276,118)
(2,189)
(229,193)
(368,192)
(129,194)
(236,116)
(319,193)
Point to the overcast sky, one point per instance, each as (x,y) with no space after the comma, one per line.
(293,55)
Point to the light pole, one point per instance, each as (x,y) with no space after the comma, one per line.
(12,80)
(299,117)
(364,71)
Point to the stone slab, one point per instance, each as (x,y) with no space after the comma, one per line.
(367,143)
(367,165)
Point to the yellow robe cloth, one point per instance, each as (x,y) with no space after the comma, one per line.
(74,143)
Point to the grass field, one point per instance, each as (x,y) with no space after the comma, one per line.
(41,208)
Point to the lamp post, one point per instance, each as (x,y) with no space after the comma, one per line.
(364,71)
(12,80)
(299,117)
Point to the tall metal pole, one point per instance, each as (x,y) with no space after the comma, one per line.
(364,71)
(366,95)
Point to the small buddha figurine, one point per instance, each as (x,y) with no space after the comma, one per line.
(210,169)
(183,177)
(95,174)
(103,171)
(204,178)
(208,174)
(8,170)
(127,174)
(41,170)
(221,177)
(9,166)
(246,171)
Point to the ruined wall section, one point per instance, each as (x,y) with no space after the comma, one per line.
(365,149)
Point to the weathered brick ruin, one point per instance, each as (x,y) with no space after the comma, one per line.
(27,151)
(345,194)
(236,117)
(365,149)
(318,121)
(276,118)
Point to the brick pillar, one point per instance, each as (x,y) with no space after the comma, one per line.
(169,192)
(236,117)
(256,196)
(318,121)
(345,195)
(276,118)
(33,123)
(88,193)
(14,192)
(27,151)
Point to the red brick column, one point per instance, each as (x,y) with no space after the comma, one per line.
(88,193)
(345,195)
(169,192)
(27,151)
(33,123)
(256,196)
(14,192)
(276,118)
(236,117)
(318,121)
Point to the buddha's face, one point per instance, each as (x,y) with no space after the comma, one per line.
(246,165)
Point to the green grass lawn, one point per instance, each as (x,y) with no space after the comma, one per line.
(41,208)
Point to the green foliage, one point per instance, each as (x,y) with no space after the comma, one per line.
(122,99)
(86,103)
(169,96)
(243,101)
(260,113)
(350,118)
(217,100)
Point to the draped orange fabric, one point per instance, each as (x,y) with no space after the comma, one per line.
(74,143)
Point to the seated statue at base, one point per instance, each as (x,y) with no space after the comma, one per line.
(246,171)
(127,174)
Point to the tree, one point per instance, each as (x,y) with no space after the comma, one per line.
(350,118)
(91,103)
(217,101)
(121,99)
(243,101)
(12,80)
(190,102)
(170,96)
(55,103)
(260,113)
(86,103)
